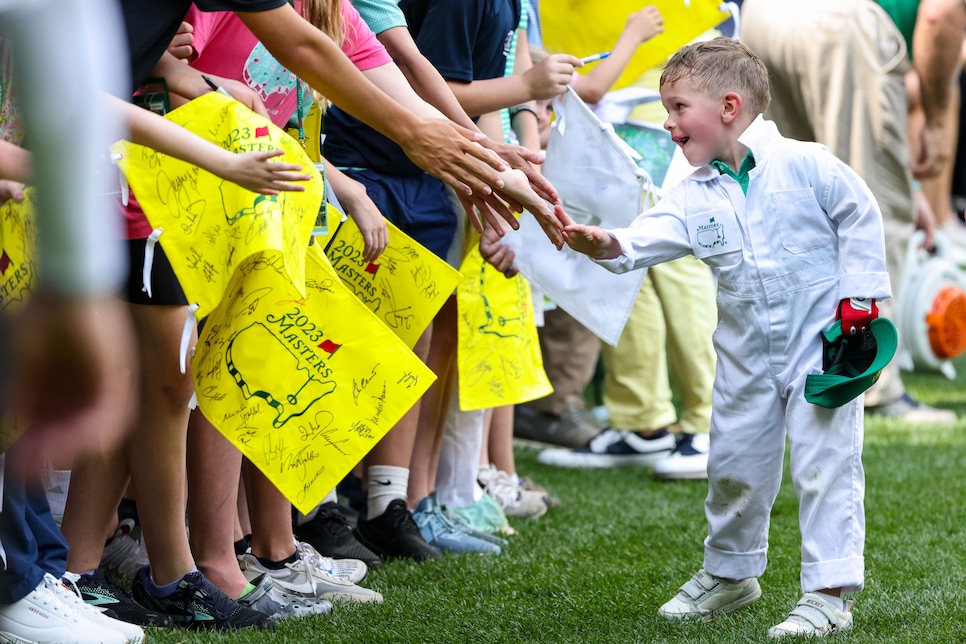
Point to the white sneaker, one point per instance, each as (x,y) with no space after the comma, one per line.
(42,617)
(351,570)
(132,633)
(506,490)
(613,448)
(306,579)
(705,596)
(814,616)
(689,460)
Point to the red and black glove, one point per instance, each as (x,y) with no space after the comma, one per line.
(856,314)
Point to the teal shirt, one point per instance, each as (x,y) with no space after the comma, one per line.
(903,14)
(742,175)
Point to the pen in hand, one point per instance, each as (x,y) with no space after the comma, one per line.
(215,86)
(595,57)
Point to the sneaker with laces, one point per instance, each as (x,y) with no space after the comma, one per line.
(814,616)
(198,604)
(41,616)
(352,570)
(909,410)
(573,427)
(705,596)
(268,598)
(100,590)
(484,515)
(329,533)
(440,532)
(302,577)
(120,555)
(689,460)
(515,501)
(132,633)
(470,530)
(613,448)
(395,534)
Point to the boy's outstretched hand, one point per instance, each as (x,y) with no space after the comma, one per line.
(593,241)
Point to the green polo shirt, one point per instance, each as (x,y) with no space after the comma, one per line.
(742,176)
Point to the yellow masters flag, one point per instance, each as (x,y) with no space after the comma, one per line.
(498,357)
(405,287)
(211,225)
(584,28)
(303,385)
(18,251)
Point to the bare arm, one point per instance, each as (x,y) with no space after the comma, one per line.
(936,45)
(547,79)
(14,162)
(641,26)
(252,170)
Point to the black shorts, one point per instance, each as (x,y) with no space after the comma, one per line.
(165,288)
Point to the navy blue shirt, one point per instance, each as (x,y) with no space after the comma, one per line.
(465,40)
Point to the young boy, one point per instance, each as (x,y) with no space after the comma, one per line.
(795,236)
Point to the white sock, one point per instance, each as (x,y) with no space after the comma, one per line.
(838,602)
(302,519)
(386,484)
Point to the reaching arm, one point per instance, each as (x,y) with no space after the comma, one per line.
(641,26)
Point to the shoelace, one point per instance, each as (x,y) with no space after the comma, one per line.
(313,559)
(50,600)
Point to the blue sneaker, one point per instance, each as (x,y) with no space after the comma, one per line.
(442,533)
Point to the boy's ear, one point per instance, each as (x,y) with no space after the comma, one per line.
(730,106)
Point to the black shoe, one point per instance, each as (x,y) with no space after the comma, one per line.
(330,534)
(394,533)
(101,591)
(197,603)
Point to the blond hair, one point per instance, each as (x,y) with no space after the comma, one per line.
(326,16)
(719,66)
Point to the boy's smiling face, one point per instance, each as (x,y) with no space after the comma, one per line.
(695,122)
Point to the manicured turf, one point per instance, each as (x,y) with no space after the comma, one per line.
(596,568)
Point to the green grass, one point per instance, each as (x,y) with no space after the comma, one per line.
(596,568)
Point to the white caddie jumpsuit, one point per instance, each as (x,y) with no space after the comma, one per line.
(807,235)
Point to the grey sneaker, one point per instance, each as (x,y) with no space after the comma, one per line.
(705,596)
(813,617)
(613,448)
(267,597)
(303,578)
(574,427)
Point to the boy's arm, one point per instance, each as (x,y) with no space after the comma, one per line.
(593,241)
(641,26)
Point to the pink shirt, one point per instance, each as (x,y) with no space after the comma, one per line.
(226,48)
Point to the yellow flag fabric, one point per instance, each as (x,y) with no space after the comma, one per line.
(499,358)
(18,252)
(211,225)
(405,287)
(303,385)
(585,27)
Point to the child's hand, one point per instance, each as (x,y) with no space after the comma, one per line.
(592,241)
(496,253)
(516,186)
(257,172)
(644,24)
(10,190)
(370,221)
(551,76)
